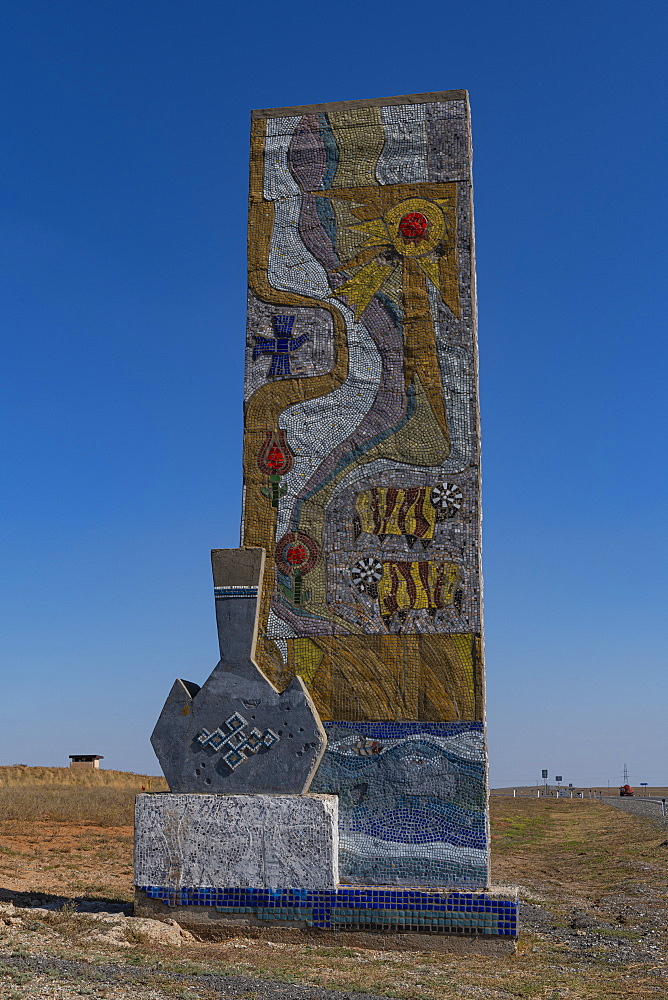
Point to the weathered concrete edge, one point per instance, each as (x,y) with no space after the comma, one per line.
(437,97)
(206,923)
(239,567)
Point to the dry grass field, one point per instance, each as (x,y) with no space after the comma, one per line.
(60,795)
(594,883)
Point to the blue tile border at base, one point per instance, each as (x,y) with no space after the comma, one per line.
(352,908)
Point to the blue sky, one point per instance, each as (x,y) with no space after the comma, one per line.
(122,213)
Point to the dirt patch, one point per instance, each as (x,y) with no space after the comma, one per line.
(67,861)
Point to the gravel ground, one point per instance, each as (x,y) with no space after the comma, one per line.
(639,807)
(122,981)
(41,959)
(623,933)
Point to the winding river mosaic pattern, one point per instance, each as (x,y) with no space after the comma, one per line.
(361,467)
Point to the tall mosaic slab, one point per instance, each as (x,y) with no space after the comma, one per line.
(362,469)
(355,599)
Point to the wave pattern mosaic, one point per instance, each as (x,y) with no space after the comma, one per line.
(361,468)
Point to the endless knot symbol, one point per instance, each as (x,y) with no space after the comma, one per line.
(448,497)
(237,743)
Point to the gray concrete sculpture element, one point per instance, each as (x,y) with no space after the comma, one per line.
(236,841)
(237,733)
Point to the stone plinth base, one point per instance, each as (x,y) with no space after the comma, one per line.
(266,865)
(476,922)
(235,841)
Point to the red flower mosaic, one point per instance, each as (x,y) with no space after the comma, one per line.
(275,455)
(296,555)
(296,551)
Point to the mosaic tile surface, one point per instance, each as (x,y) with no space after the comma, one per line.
(367,498)
(361,464)
(412,801)
(353,909)
(236,840)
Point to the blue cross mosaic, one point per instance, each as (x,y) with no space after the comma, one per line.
(237,743)
(280,346)
(365,909)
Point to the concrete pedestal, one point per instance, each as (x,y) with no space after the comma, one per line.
(195,843)
(267,866)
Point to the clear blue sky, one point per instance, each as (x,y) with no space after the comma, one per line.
(123,208)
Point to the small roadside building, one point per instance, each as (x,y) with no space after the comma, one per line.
(85,761)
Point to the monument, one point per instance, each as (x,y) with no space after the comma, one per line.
(357,592)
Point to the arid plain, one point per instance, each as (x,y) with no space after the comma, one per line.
(594,888)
